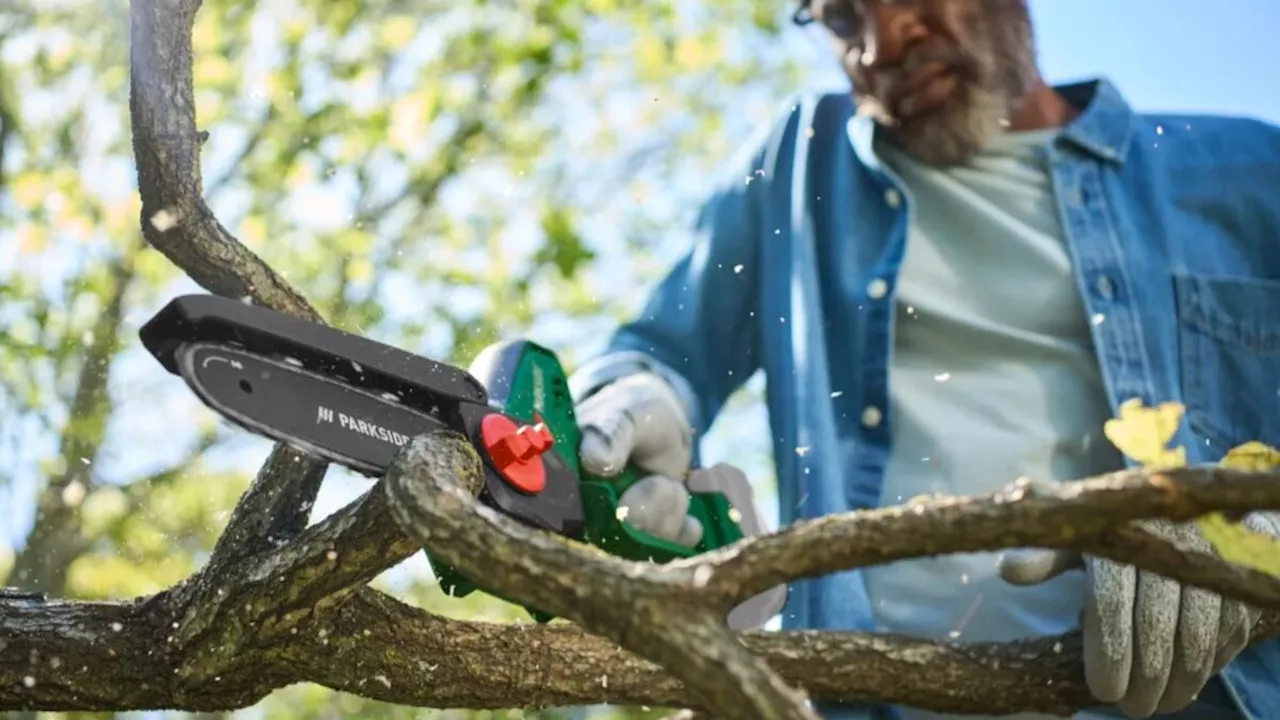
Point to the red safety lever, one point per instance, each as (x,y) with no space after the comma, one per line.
(516,450)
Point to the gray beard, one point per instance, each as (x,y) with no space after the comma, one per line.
(1001,71)
(951,134)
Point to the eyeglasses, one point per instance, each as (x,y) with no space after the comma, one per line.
(802,16)
(843,18)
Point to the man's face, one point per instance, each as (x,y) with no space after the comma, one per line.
(941,76)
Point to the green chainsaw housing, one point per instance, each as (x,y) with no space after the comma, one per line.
(527,382)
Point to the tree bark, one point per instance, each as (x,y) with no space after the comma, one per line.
(302,613)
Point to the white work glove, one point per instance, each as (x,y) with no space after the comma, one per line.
(1150,643)
(638,420)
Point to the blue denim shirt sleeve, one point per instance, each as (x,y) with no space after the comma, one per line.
(699,327)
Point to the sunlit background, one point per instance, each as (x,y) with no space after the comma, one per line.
(436,175)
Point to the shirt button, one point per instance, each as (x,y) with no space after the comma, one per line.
(877,289)
(893,198)
(871,416)
(1105,287)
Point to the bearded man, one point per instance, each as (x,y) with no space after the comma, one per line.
(951,278)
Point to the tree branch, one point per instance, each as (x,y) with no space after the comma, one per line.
(166,144)
(297,615)
(274,509)
(177,222)
(377,647)
(81,655)
(226,638)
(220,607)
(1079,515)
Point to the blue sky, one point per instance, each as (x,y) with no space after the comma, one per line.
(1184,55)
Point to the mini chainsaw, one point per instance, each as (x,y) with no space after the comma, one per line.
(353,401)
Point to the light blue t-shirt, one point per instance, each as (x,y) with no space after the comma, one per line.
(993,378)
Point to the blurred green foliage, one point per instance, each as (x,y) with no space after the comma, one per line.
(437,175)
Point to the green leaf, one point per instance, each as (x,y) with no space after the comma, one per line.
(563,247)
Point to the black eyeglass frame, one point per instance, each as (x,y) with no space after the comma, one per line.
(802,16)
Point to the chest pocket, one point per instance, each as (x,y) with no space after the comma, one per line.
(1229,337)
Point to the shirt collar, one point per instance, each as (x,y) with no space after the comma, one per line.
(1104,128)
(1106,125)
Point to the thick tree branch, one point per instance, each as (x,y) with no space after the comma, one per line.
(377,647)
(81,655)
(166,144)
(663,613)
(291,616)
(177,222)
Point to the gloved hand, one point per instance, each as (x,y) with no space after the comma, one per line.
(638,420)
(1150,643)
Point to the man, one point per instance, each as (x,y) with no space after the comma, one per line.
(954,287)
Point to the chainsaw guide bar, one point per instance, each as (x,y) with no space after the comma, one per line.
(350,400)
(296,406)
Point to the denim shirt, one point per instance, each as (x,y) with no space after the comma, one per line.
(1173,225)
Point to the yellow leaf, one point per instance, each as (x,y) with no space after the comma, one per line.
(1144,433)
(650,55)
(1233,541)
(1236,543)
(273,84)
(408,121)
(301,174)
(693,52)
(78,227)
(1254,456)
(122,216)
(209,105)
(207,35)
(353,146)
(294,28)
